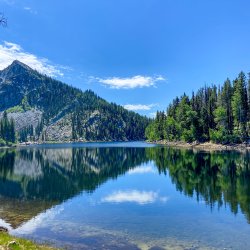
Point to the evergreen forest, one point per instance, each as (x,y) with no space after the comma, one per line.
(7,131)
(218,114)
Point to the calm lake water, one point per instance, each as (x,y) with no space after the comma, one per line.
(126,196)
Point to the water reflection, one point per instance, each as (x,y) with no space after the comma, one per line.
(46,177)
(34,180)
(136,196)
(218,178)
(58,174)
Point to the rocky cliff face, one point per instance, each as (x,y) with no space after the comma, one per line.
(59,112)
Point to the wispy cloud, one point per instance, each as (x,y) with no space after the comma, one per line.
(138,81)
(19,5)
(30,10)
(27,8)
(11,51)
(9,2)
(137,107)
(134,196)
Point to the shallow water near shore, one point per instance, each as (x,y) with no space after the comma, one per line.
(126,196)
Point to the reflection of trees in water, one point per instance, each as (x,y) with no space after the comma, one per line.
(58,174)
(33,180)
(7,159)
(218,178)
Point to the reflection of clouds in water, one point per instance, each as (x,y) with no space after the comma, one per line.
(37,222)
(5,224)
(134,196)
(142,170)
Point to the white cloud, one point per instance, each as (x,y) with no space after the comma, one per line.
(136,107)
(29,9)
(138,81)
(134,196)
(142,170)
(11,51)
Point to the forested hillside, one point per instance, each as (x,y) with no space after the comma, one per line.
(220,114)
(43,109)
(7,131)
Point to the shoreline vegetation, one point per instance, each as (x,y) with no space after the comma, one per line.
(8,242)
(217,114)
(204,146)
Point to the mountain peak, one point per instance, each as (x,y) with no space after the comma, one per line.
(17,63)
(16,67)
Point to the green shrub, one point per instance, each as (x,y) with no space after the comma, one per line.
(15,109)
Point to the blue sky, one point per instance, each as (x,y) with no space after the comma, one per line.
(139,53)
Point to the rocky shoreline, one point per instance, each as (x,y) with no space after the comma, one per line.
(205,146)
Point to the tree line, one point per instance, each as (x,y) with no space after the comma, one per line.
(219,114)
(7,130)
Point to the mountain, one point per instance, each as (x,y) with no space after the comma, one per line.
(49,110)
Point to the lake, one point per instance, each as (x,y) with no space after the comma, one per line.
(126,196)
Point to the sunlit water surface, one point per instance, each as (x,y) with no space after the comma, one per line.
(126,196)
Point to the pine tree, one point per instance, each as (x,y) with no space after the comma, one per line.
(217,114)
(239,106)
(7,129)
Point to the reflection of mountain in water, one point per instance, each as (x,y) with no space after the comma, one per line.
(34,179)
(218,178)
(45,177)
